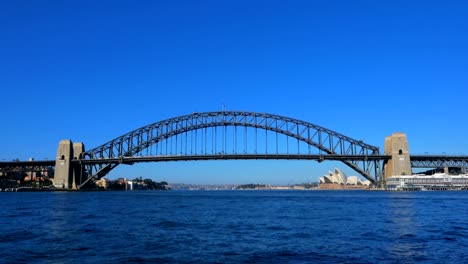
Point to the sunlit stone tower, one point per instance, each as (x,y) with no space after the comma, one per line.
(66,175)
(396,145)
(78,148)
(63,168)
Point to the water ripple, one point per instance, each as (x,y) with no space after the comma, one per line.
(235,227)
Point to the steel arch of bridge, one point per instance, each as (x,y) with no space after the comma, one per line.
(358,155)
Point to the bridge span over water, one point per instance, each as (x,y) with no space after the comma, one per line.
(226,135)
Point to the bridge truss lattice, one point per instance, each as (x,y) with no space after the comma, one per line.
(232,135)
(439,161)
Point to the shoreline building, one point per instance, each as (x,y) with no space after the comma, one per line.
(337,180)
(421,182)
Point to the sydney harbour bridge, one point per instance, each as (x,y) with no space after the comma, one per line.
(228,135)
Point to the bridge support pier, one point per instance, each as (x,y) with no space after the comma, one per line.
(78,148)
(68,175)
(396,145)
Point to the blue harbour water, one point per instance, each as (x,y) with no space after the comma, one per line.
(234,227)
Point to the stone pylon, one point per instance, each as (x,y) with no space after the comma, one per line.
(78,148)
(396,145)
(67,175)
(63,168)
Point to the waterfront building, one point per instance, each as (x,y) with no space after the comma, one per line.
(419,182)
(338,177)
(337,180)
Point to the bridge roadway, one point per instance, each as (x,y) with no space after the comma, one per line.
(417,161)
(4,164)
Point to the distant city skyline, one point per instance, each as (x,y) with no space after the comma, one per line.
(92,71)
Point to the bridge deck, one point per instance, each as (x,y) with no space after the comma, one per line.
(414,158)
(4,164)
(234,157)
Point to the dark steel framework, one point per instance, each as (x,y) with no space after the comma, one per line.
(231,135)
(438,161)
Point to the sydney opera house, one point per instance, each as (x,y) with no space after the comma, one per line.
(338,180)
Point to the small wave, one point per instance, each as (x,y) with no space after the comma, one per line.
(300,257)
(13,215)
(275,228)
(168,224)
(449,238)
(89,216)
(88,230)
(137,259)
(459,228)
(453,234)
(17,236)
(301,235)
(82,249)
(407,236)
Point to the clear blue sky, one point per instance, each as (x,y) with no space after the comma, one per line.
(93,70)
